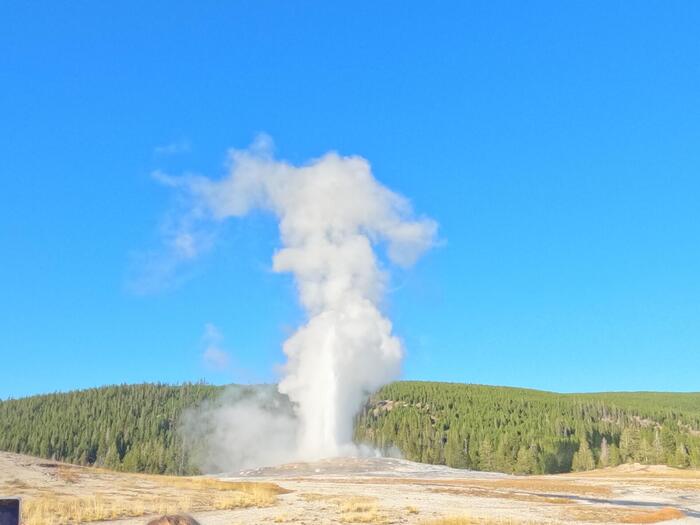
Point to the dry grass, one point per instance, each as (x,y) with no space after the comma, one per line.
(547,485)
(153,495)
(667,478)
(47,510)
(16,484)
(470,520)
(622,514)
(638,471)
(67,474)
(352,509)
(357,504)
(503,494)
(356,509)
(203,483)
(314,496)
(654,516)
(372,517)
(59,510)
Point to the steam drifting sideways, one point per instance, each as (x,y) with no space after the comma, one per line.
(332,215)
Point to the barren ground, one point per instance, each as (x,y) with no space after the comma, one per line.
(380,491)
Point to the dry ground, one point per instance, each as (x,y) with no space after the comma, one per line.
(374,491)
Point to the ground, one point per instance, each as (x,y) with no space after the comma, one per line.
(379,491)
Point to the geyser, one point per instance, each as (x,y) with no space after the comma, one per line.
(332,215)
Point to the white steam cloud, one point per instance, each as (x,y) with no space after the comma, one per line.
(244,427)
(332,215)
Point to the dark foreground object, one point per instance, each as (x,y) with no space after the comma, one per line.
(171,519)
(9,511)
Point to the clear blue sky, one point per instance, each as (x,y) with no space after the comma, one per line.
(556,143)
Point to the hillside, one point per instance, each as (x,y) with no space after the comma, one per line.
(127,427)
(528,431)
(134,427)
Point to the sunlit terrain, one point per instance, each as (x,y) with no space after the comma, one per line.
(378,490)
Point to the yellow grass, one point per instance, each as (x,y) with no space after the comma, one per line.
(638,471)
(204,483)
(549,484)
(655,516)
(666,477)
(470,520)
(374,518)
(16,484)
(358,509)
(357,504)
(352,509)
(155,495)
(67,473)
(622,514)
(503,494)
(54,510)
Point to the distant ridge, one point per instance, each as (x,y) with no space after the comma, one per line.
(527,431)
(504,429)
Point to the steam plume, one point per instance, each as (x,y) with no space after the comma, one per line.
(332,215)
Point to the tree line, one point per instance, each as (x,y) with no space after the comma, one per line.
(136,427)
(124,427)
(531,432)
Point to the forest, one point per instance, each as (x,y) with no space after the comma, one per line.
(136,427)
(125,427)
(531,432)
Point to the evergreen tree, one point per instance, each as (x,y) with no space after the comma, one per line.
(604,460)
(583,458)
(682,458)
(112,459)
(527,461)
(487,459)
(615,458)
(658,454)
(629,444)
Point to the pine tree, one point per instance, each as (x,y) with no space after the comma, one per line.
(527,461)
(486,456)
(604,459)
(682,458)
(645,452)
(456,450)
(658,454)
(615,458)
(583,458)
(629,444)
(112,459)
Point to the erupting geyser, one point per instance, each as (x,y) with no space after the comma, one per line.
(332,215)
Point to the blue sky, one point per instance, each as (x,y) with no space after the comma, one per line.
(556,143)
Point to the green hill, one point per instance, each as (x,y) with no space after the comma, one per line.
(134,427)
(528,431)
(129,427)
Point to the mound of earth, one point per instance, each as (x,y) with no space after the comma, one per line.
(361,467)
